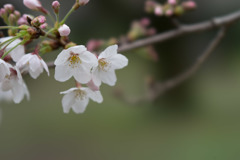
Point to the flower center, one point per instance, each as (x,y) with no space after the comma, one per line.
(80,94)
(74,60)
(103,64)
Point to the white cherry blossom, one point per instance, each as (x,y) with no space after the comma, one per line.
(33,64)
(108,61)
(4,69)
(77,62)
(14,83)
(78,99)
(18,52)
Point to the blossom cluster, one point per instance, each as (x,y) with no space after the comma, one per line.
(74,60)
(170,8)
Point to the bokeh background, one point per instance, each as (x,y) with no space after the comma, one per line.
(197,120)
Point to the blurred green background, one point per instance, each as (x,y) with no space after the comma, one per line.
(195,121)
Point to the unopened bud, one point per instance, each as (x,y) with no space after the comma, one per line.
(94,45)
(64,30)
(17,14)
(70,44)
(2,12)
(38,21)
(9,8)
(158,11)
(189,5)
(169,12)
(23,20)
(172,2)
(32,4)
(145,22)
(12,19)
(179,10)
(83,2)
(56,6)
(149,6)
(44,26)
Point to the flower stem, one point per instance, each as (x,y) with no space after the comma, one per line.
(9,27)
(20,43)
(67,15)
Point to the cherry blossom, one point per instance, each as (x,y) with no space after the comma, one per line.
(18,52)
(78,99)
(32,4)
(4,69)
(64,30)
(77,62)
(14,83)
(33,64)
(108,61)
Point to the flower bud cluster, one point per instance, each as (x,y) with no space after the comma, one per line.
(9,15)
(170,8)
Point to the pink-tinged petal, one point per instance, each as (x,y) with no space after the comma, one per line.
(108,52)
(118,61)
(67,101)
(62,57)
(108,77)
(62,73)
(93,86)
(32,4)
(95,95)
(80,105)
(64,30)
(45,66)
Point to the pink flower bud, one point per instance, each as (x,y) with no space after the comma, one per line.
(32,4)
(83,2)
(23,20)
(44,26)
(94,45)
(42,19)
(9,8)
(189,5)
(2,12)
(145,22)
(172,2)
(64,30)
(56,6)
(158,11)
(169,12)
(17,14)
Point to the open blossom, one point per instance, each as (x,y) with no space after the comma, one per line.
(14,83)
(32,4)
(64,30)
(77,62)
(108,61)
(18,52)
(78,99)
(33,64)
(4,69)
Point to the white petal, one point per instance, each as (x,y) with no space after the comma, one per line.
(96,77)
(81,76)
(108,52)
(67,101)
(62,73)
(34,74)
(23,61)
(18,93)
(35,64)
(77,49)
(45,66)
(62,57)
(69,91)
(108,77)
(17,53)
(95,95)
(80,105)
(118,61)
(89,58)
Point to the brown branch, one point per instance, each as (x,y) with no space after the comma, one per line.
(157,89)
(182,30)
